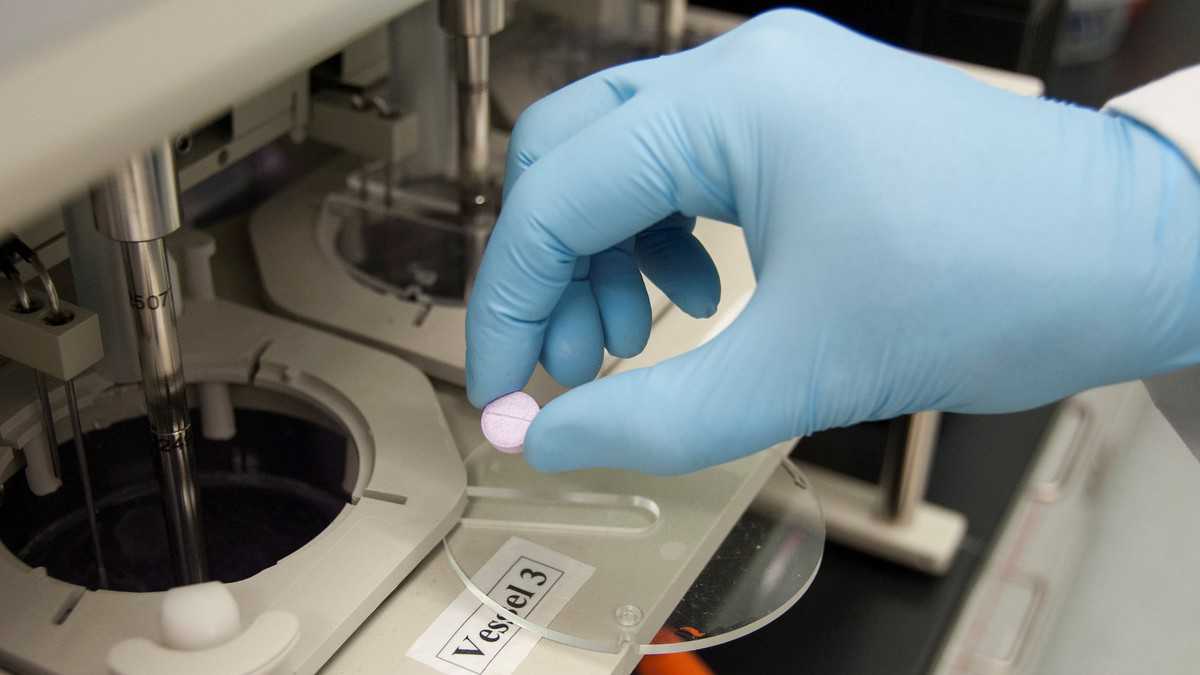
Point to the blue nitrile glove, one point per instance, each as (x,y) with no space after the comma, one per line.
(920,240)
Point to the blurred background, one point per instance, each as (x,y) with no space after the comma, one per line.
(1086,51)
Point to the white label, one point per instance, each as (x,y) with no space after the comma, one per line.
(528,580)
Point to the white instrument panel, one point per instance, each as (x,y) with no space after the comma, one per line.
(86,83)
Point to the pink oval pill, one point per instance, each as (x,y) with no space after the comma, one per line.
(505,421)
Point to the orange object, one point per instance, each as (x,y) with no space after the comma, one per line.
(684,663)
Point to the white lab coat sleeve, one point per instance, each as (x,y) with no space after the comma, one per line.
(1171,106)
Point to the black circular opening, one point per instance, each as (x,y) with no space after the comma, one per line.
(265,493)
(60,318)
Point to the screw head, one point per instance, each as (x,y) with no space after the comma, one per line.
(629,615)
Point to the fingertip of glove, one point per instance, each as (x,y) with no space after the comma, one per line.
(697,308)
(477,398)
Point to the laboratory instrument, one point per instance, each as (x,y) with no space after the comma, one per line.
(267,398)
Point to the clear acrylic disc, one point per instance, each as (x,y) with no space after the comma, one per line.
(413,248)
(680,563)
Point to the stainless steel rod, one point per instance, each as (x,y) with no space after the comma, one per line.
(43,392)
(22,293)
(471,23)
(474,120)
(48,286)
(85,479)
(166,404)
(477,214)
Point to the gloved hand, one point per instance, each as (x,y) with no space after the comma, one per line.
(920,241)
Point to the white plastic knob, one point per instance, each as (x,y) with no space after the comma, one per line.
(261,649)
(199,616)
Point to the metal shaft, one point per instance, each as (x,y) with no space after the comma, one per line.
(138,205)
(471,23)
(43,392)
(22,293)
(474,149)
(48,285)
(85,479)
(474,120)
(166,403)
(25,301)
(140,200)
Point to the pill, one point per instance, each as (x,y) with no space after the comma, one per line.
(505,421)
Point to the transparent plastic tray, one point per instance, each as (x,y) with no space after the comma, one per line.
(412,248)
(678,567)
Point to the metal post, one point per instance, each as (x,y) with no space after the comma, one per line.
(420,80)
(138,206)
(909,453)
(166,402)
(471,23)
(25,302)
(85,478)
(43,392)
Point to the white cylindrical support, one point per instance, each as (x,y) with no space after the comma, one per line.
(471,23)
(906,464)
(217,421)
(421,80)
(39,467)
(193,251)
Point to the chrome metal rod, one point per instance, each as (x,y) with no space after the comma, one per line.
(43,392)
(85,479)
(181,506)
(140,200)
(48,286)
(474,123)
(471,23)
(166,403)
(39,383)
(138,205)
(22,293)
(477,214)
(39,378)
